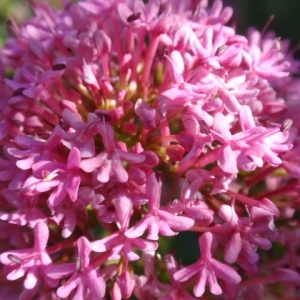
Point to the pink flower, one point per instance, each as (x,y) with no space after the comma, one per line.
(267,60)
(109,162)
(32,262)
(207,270)
(249,148)
(118,242)
(85,277)
(246,233)
(49,174)
(158,220)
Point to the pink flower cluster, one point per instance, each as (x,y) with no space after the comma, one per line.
(124,124)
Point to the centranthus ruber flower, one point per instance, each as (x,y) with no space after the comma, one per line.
(49,174)
(158,220)
(130,129)
(85,278)
(30,262)
(207,270)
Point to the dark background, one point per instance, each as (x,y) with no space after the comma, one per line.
(256,13)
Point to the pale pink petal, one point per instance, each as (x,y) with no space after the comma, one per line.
(96,284)
(31,278)
(41,236)
(65,290)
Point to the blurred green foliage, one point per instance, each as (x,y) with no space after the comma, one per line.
(19,10)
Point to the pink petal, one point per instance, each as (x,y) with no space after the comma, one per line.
(213,283)
(31,278)
(73,187)
(138,229)
(187,272)
(74,160)
(144,245)
(179,223)
(205,242)
(91,164)
(60,271)
(96,284)
(246,118)
(16,274)
(233,248)
(65,290)
(118,170)
(227,160)
(225,272)
(199,287)
(84,250)
(41,236)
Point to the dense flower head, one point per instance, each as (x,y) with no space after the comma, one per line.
(127,123)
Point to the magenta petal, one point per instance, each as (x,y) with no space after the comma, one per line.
(31,278)
(225,272)
(96,284)
(74,160)
(199,287)
(154,228)
(104,172)
(153,190)
(233,248)
(221,127)
(126,284)
(138,229)
(123,206)
(16,274)
(58,195)
(205,242)
(65,290)
(179,223)
(84,250)
(26,163)
(227,213)
(69,225)
(246,118)
(187,272)
(144,245)
(119,170)
(106,243)
(73,187)
(213,283)
(134,158)
(44,186)
(227,160)
(60,271)
(91,164)
(41,235)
